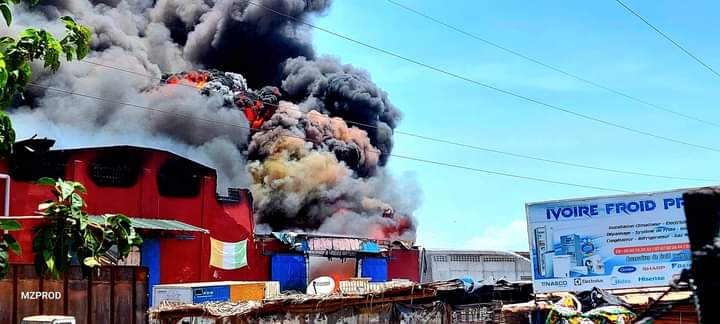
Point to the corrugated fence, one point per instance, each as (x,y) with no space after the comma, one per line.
(109,295)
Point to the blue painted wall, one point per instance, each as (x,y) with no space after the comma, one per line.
(374,268)
(290,271)
(150,257)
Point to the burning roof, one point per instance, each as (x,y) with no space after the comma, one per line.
(314,161)
(258,106)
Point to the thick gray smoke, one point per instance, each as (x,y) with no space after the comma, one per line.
(152,38)
(304,176)
(179,125)
(239,36)
(344,91)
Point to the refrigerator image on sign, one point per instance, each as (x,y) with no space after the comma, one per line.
(572,246)
(561,266)
(543,246)
(548,264)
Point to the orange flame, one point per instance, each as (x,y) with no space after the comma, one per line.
(197,78)
(399,225)
(256,112)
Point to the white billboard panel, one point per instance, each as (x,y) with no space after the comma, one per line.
(629,241)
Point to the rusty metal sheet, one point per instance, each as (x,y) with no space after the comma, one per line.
(56,304)
(100,296)
(27,282)
(141,295)
(111,295)
(76,295)
(6,297)
(123,295)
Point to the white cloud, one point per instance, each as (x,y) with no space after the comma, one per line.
(511,237)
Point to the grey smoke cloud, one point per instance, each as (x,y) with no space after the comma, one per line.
(330,182)
(305,178)
(344,91)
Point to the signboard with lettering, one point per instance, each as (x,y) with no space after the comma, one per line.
(629,241)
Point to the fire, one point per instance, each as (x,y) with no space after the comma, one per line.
(197,78)
(256,111)
(400,226)
(396,226)
(291,174)
(258,106)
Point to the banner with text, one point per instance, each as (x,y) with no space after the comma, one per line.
(628,241)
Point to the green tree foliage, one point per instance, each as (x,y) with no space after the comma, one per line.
(15,74)
(32,44)
(8,243)
(69,235)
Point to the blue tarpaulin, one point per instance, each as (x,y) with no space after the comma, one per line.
(369,246)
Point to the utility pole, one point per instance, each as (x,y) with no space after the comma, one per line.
(702,212)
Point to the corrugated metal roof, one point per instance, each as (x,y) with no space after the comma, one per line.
(157,224)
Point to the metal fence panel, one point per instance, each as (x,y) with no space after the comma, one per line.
(110,295)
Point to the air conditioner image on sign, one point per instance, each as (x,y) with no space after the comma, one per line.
(595,264)
(582,255)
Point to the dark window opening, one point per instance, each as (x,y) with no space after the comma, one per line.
(33,166)
(179,178)
(116,169)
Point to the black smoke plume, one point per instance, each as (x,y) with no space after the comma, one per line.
(340,119)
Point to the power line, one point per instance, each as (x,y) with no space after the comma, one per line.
(667,38)
(505,174)
(484,85)
(572,164)
(451,142)
(308,139)
(553,68)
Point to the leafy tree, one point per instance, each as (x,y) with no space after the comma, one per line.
(68,233)
(15,74)
(32,44)
(8,243)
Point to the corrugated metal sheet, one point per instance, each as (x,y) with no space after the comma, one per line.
(157,224)
(110,295)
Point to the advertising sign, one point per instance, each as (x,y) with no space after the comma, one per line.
(628,241)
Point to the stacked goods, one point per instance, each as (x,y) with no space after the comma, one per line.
(355,286)
(201,292)
(361,286)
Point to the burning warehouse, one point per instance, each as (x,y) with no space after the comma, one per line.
(206,97)
(309,136)
(190,233)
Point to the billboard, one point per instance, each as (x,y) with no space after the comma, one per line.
(628,241)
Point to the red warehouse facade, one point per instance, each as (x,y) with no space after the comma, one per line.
(158,187)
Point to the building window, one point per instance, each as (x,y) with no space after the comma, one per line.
(476,258)
(465,258)
(499,259)
(118,168)
(440,258)
(31,167)
(179,178)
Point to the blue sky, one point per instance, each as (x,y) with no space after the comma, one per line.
(597,40)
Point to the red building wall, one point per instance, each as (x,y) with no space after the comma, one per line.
(183,257)
(404,264)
